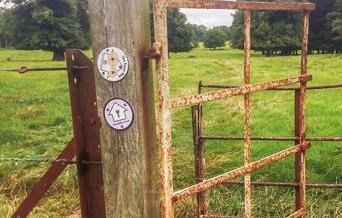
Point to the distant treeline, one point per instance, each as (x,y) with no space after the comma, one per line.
(279,32)
(52,25)
(55,25)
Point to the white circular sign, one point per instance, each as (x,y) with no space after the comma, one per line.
(118,114)
(112,64)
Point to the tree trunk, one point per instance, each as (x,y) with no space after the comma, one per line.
(58,55)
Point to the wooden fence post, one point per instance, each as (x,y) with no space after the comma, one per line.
(130,156)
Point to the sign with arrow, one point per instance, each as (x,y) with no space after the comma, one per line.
(118,114)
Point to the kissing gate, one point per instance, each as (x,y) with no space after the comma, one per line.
(86,123)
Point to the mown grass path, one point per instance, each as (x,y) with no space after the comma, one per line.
(35,121)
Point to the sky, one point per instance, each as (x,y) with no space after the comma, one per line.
(206,17)
(209,17)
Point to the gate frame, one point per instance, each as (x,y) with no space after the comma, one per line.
(199,139)
(165,104)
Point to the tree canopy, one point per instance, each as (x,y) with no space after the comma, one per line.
(198,33)
(4,34)
(52,25)
(280,32)
(214,38)
(336,24)
(270,32)
(321,36)
(55,25)
(180,32)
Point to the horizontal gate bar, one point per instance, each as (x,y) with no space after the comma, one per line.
(298,213)
(324,139)
(219,216)
(262,138)
(243,5)
(327,86)
(253,138)
(277,184)
(287,184)
(202,186)
(199,98)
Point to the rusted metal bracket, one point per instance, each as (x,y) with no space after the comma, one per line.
(86,126)
(154,52)
(305,146)
(85,144)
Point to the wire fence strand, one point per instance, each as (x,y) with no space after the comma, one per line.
(34,160)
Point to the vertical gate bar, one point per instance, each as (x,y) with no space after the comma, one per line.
(163,109)
(247,101)
(199,154)
(297,123)
(86,126)
(203,201)
(300,157)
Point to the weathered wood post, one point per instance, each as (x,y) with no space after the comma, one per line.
(129,150)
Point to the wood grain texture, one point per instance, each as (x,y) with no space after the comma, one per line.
(130,157)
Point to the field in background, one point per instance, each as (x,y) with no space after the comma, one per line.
(35,122)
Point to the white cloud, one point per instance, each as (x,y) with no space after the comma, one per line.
(209,17)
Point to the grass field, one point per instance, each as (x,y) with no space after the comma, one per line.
(35,122)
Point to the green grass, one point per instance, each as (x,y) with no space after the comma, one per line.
(35,121)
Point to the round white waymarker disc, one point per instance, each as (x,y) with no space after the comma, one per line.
(112,64)
(118,114)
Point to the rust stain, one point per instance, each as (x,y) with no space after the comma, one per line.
(247,103)
(206,184)
(229,92)
(298,213)
(242,5)
(163,109)
(165,104)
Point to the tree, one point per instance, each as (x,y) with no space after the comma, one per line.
(198,33)
(335,18)
(214,38)
(4,35)
(226,30)
(52,25)
(82,15)
(274,32)
(180,33)
(321,37)
(271,32)
(237,28)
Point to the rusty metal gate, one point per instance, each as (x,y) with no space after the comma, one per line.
(165,105)
(199,139)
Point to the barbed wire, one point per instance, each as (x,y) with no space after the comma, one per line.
(34,159)
(40,160)
(24,69)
